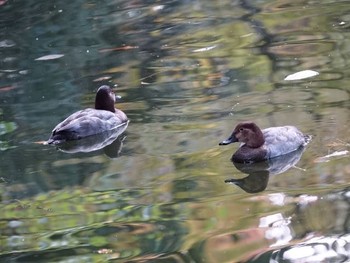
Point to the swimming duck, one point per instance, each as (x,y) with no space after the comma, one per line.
(258,145)
(83,123)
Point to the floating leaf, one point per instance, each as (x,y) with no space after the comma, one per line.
(204,49)
(50,57)
(102,78)
(122,48)
(41,142)
(302,75)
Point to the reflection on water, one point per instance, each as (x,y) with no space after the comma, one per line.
(110,141)
(186,71)
(258,173)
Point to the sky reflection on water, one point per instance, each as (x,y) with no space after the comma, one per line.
(186,73)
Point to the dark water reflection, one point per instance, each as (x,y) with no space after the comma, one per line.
(259,173)
(111,142)
(187,71)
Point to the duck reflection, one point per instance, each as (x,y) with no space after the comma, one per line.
(110,141)
(259,173)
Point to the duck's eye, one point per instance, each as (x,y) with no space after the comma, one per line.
(240,129)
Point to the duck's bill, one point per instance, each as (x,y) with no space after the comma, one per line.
(229,140)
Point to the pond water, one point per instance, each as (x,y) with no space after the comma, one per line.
(187,73)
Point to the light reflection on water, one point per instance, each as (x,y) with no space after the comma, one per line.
(186,72)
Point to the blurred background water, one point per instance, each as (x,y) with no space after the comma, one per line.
(187,72)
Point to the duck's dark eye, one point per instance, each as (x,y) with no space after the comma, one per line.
(240,129)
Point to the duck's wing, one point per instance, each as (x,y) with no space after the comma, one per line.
(88,122)
(71,119)
(282,140)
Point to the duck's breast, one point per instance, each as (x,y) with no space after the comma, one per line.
(245,154)
(282,140)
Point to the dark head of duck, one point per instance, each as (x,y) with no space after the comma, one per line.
(105,99)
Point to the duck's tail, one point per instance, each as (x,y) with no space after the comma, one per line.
(52,141)
(56,139)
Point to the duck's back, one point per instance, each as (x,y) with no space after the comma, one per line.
(85,123)
(283,140)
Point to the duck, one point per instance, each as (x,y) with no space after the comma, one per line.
(87,122)
(259,145)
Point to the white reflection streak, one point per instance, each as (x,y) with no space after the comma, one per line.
(50,57)
(305,200)
(298,253)
(204,49)
(277,229)
(304,74)
(157,8)
(319,249)
(277,199)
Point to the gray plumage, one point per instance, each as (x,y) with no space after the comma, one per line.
(90,121)
(258,145)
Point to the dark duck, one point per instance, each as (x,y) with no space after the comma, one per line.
(258,145)
(87,122)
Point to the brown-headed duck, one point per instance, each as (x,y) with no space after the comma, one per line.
(83,123)
(258,145)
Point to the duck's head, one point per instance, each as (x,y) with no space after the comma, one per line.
(105,99)
(248,133)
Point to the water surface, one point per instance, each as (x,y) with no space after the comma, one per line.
(187,72)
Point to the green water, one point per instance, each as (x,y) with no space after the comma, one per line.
(187,72)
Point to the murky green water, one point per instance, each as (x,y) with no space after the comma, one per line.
(187,72)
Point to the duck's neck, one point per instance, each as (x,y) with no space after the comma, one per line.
(257,140)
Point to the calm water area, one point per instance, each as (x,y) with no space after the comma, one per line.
(187,72)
